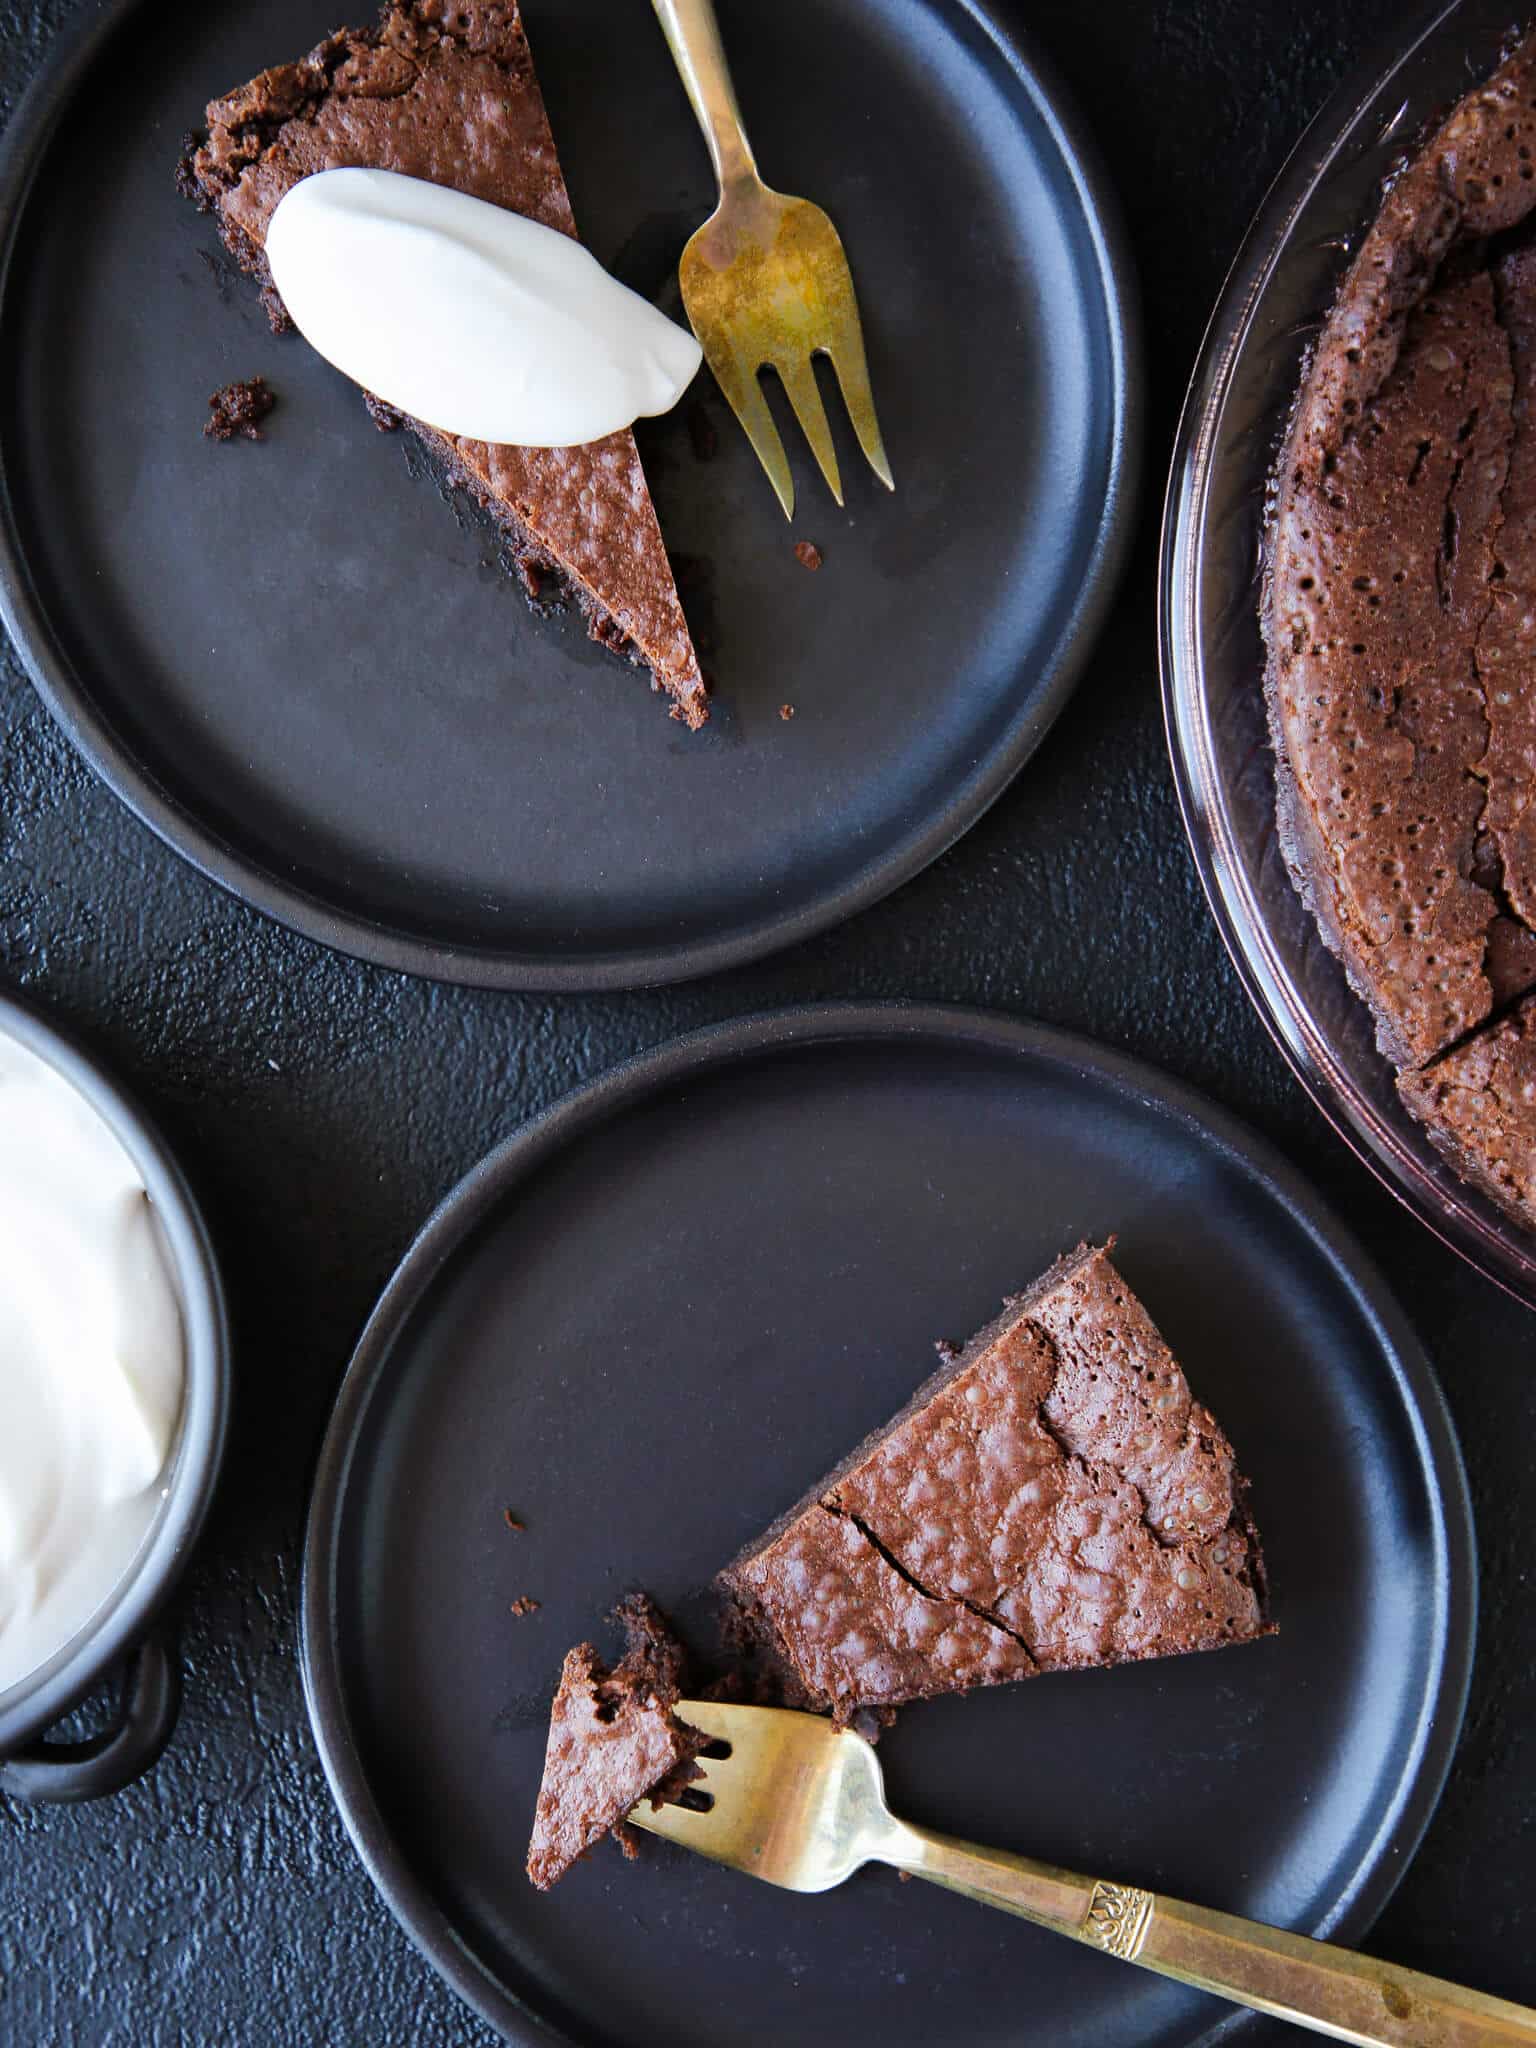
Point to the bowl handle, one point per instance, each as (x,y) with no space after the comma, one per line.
(106,1762)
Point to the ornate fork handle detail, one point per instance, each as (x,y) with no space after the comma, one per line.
(1330,1990)
(801,1804)
(1117,1919)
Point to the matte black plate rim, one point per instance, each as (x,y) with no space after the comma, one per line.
(518,1157)
(54,675)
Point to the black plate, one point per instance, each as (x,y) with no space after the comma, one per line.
(651,1318)
(314,681)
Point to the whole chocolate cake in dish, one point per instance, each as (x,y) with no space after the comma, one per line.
(1052,1498)
(1399,614)
(613,1741)
(445,90)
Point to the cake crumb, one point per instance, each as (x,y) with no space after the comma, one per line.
(387,418)
(786,712)
(239,408)
(188,184)
(512,1521)
(807,554)
(525,1604)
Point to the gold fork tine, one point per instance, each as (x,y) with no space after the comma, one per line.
(690,1829)
(744,394)
(700,1832)
(798,377)
(848,362)
(766,278)
(722,1721)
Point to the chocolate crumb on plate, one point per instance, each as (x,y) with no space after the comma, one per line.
(239,409)
(807,554)
(524,1604)
(786,712)
(384,416)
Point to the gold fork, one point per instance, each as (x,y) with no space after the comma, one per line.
(801,1804)
(765,280)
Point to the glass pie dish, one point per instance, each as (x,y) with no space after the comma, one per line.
(1212,655)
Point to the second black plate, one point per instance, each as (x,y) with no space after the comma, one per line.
(316,682)
(649,1321)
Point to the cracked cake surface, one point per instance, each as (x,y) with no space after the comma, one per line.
(445,90)
(613,1740)
(1052,1498)
(1479,1105)
(1399,616)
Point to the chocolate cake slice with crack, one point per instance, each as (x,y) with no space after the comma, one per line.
(445,90)
(1052,1498)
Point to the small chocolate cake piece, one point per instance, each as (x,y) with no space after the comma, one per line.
(239,408)
(613,1741)
(445,90)
(1051,1498)
(1478,1105)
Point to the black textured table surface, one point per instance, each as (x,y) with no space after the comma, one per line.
(321,1107)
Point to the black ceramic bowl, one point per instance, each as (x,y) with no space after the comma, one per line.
(123,1632)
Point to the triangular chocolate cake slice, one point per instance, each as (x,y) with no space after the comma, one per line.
(613,1738)
(1052,1498)
(445,90)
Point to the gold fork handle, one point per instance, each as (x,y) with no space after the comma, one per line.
(1331,1990)
(693,36)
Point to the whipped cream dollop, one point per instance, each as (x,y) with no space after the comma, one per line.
(91,1361)
(468,317)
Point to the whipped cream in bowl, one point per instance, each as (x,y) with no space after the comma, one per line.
(114,1381)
